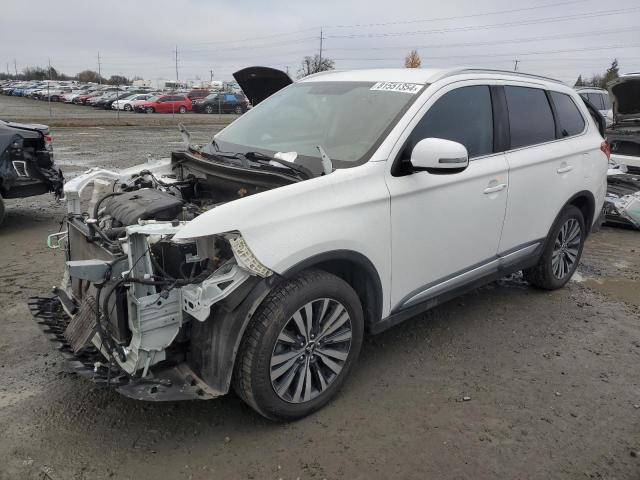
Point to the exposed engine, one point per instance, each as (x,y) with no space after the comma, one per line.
(131,291)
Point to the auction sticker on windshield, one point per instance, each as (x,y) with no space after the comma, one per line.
(397,87)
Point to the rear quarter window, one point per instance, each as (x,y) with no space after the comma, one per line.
(569,116)
(597,100)
(530,117)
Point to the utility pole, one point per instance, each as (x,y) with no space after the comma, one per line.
(210,76)
(99,70)
(287,67)
(515,65)
(7,68)
(176,64)
(15,66)
(49,83)
(320,62)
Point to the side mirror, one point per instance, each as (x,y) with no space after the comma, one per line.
(437,155)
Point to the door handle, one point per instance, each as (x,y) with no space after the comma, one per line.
(565,169)
(497,188)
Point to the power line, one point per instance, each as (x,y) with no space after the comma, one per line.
(495,42)
(459,17)
(471,28)
(511,54)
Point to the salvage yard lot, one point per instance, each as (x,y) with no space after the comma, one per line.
(505,382)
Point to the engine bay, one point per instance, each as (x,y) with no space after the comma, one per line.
(130,289)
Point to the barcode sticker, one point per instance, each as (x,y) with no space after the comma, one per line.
(397,87)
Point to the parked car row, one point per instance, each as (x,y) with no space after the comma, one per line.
(130,99)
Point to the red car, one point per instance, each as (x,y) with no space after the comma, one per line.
(171,103)
(82,99)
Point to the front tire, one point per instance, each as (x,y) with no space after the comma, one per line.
(128,107)
(150,110)
(300,346)
(208,109)
(562,252)
(182,109)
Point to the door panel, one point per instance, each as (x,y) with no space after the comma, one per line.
(545,172)
(541,180)
(444,224)
(446,227)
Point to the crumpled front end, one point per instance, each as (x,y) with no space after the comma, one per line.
(131,292)
(26,165)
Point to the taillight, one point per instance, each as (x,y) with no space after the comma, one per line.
(606,149)
(48,141)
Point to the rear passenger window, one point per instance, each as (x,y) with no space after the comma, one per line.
(463,115)
(530,117)
(569,117)
(596,100)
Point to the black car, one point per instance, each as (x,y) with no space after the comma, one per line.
(222,103)
(26,162)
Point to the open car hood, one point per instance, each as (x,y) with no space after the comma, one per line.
(258,83)
(625,92)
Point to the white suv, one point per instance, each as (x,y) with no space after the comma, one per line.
(344,203)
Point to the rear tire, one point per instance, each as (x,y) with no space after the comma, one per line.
(150,110)
(562,252)
(208,109)
(238,110)
(284,369)
(128,107)
(182,109)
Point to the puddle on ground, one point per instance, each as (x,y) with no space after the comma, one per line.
(617,288)
(621,289)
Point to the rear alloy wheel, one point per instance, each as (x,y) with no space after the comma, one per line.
(300,346)
(182,109)
(562,252)
(128,107)
(208,109)
(238,110)
(150,110)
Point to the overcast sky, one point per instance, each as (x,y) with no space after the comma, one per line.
(558,38)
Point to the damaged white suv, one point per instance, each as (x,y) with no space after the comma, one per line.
(341,205)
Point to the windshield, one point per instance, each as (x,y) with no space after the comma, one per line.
(347,119)
(152,99)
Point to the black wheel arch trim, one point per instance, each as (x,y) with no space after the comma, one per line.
(591,204)
(372,293)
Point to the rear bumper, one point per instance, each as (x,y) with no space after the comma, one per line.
(171,383)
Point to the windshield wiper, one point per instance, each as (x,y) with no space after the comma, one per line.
(261,157)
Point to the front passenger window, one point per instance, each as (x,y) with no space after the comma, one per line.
(463,115)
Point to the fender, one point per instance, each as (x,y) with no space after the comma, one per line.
(215,342)
(369,288)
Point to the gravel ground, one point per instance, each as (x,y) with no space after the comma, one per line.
(551,379)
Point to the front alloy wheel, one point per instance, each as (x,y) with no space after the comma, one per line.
(311,350)
(300,346)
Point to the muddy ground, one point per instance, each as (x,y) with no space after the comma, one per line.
(553,377)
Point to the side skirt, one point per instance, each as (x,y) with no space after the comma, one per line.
(507,268)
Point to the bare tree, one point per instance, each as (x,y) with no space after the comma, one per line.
(315,64)
(412,60)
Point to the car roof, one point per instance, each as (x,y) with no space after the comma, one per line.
(417,75)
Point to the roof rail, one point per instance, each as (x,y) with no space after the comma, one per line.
(489,70)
